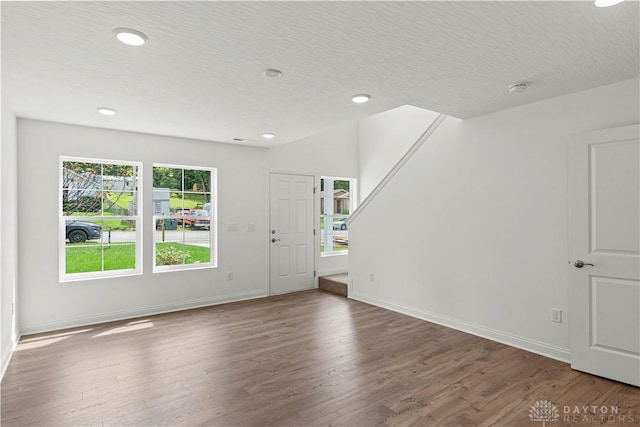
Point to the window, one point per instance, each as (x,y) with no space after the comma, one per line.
(99,218)
(184,217)
(336,203)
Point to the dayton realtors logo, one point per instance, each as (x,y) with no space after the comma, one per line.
(596,414)
(544,411)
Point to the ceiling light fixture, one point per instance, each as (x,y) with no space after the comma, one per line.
(272,73)
(130,37)
(517,88)
(360,98)
(607,3)
(106,111)
(268,135)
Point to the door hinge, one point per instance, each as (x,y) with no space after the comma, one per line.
(314,273)
(314,231)
(314,190)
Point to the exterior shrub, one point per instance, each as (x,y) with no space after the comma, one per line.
(170,256)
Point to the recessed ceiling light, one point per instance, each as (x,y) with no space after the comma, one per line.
(517,88)
(130,37)
(607,3)
(268,135)
(360,98)
(106,111)
(272,73)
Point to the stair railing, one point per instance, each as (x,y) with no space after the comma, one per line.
(405,158)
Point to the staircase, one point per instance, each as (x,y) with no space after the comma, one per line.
(336,283)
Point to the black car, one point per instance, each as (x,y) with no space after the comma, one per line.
(80,231)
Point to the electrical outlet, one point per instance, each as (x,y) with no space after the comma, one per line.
(230,275)
(556,315)
(371,277)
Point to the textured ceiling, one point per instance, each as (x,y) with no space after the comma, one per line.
(200,75)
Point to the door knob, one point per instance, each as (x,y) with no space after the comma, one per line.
(274,240)
(579,264)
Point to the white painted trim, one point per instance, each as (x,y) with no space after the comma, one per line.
(65,277)
(130,314)
(329,272)
(403,160)
(553,352)
(8,353)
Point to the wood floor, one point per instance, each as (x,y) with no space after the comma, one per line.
(311,358)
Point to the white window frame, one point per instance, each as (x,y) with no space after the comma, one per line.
(213,224)
(62,238)
(352,207)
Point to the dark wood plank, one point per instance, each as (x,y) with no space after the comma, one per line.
(310,358)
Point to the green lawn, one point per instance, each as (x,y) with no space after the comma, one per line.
(114,224)
(86,257)
(89,256)
(191,201)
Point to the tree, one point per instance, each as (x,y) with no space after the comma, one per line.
(91,188)
(170,178)
(201,178)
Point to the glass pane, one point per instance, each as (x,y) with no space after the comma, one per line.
(197,245)
(119,203)
(335,207)
(118,177)
(197,201)
(83,258)
(82,185)
(177,215)
(83,249)
(176,245)
(77,231)
(341,197)
(170,253)
(119,244)
(170,178)
(197,180)
(340,241)
(334,234)
(119,255)
(81,202)
(197,254)
(81,175)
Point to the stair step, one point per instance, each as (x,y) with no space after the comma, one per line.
(336,283)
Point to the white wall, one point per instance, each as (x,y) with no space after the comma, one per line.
(46,304)
(8,236)
(475,233)
(333,152)
(384,138)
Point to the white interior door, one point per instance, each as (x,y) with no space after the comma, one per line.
(604,298)
(291,237)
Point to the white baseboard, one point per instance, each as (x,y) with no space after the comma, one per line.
(144,311)
(6,355)
(553,352)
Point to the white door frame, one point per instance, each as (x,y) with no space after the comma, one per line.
(268,174)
